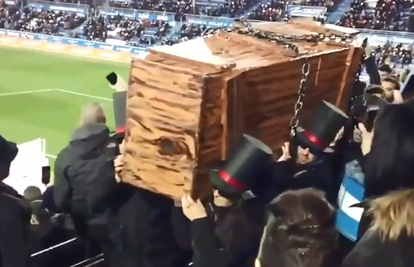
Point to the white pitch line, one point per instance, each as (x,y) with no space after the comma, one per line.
(82,94)
(54,90)
(27,92)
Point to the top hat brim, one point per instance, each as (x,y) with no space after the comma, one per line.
(300,134)
(220,184)
(8,151)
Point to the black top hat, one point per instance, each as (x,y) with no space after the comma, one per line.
(374,89)
(374,103)
(119,102)
(359,108)
(8,150)
(385,68)
(326,123)
(241,168)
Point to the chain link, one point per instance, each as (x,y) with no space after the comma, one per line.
(358,74)
(294,122)
(287,41)
(360,65)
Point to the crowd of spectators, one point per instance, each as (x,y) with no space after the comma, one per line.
(271,213)
(132,31)
(270,11)
(39,21)
(398,55)
(396,15)
(274,10)
(394,59)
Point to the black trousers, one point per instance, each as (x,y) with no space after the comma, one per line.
(112,240)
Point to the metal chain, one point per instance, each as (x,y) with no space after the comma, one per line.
(294,122)
(357,75)
(360,65)
(287,41)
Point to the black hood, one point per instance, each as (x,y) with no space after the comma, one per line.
(89,138)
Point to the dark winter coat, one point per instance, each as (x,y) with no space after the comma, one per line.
(85,184)
(15,238)
(289,175)
(389,241)
(231,242)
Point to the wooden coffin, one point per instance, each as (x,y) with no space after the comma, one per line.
(189,104)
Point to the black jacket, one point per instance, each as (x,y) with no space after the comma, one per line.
(372,70)
(85,184)
(15,240)
(389,240)
(289,175)
(244,226)
(46,229)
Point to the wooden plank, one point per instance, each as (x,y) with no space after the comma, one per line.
(185,115)
(163,122)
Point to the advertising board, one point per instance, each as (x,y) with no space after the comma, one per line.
(137,14)
(210,21)
(43,45)
(73,42)
(65,7)
(306,11)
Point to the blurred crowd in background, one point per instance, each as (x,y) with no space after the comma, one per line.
(380,15)
(390,15)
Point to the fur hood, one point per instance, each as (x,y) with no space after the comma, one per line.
(393,214)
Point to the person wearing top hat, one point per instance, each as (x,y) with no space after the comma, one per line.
(310,152)
(226,230)
(145,215)
(15,242)
(119,98)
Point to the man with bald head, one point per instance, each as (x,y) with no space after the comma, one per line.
(85,185)
(93,113)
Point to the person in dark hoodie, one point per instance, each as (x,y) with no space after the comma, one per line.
(226,229)
(85,184)
(386,236)
(46,231)
(310,153)
(145,215)
(15,241)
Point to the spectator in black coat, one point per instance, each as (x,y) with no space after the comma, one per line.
(15,242)
(85,185)
(230,235)
(47,230)
(386,227)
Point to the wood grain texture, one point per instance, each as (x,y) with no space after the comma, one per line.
(185,115)
(273,93)
(163,123)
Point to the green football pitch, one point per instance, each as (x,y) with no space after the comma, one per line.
(42,94)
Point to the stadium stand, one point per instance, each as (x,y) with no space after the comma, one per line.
(276,10)
(379,15)
(168,22)
(127,22)
(144,24)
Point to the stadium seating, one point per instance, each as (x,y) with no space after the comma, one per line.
(122,25)
(379,15)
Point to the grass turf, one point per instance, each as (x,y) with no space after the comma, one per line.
(53,114)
